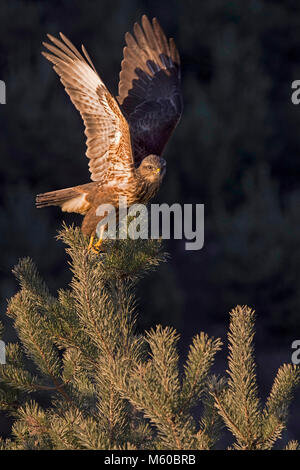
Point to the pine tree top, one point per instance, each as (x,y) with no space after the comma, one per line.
(109,387)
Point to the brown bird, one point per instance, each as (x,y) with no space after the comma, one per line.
(125,136)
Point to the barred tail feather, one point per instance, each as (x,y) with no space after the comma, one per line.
(70,200)
(55,198)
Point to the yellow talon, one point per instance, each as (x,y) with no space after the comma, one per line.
(98,243)
(91,242)
(94,247)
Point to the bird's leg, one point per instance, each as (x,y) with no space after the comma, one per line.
(91,242)
(100,238)
(96,247)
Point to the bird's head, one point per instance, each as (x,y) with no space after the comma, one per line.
(153,168)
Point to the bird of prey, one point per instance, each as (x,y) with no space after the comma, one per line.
(126,136)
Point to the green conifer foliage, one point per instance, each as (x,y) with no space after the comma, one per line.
(110,387)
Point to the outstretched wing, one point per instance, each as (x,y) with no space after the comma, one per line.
(108,136)
(149,88)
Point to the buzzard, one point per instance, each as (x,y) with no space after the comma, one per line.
(126,136)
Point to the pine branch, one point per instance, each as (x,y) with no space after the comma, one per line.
(276,409)
(211,423)
(111,388)
(239,405)
(292,445)
(200,359)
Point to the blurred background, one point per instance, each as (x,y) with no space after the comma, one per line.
(236,150)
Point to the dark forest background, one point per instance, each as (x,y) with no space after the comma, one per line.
(236,150)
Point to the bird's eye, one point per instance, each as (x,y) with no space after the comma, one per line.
(149,167)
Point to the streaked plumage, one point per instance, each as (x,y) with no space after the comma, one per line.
(125,137)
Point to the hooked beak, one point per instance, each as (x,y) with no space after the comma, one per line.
(157,170)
